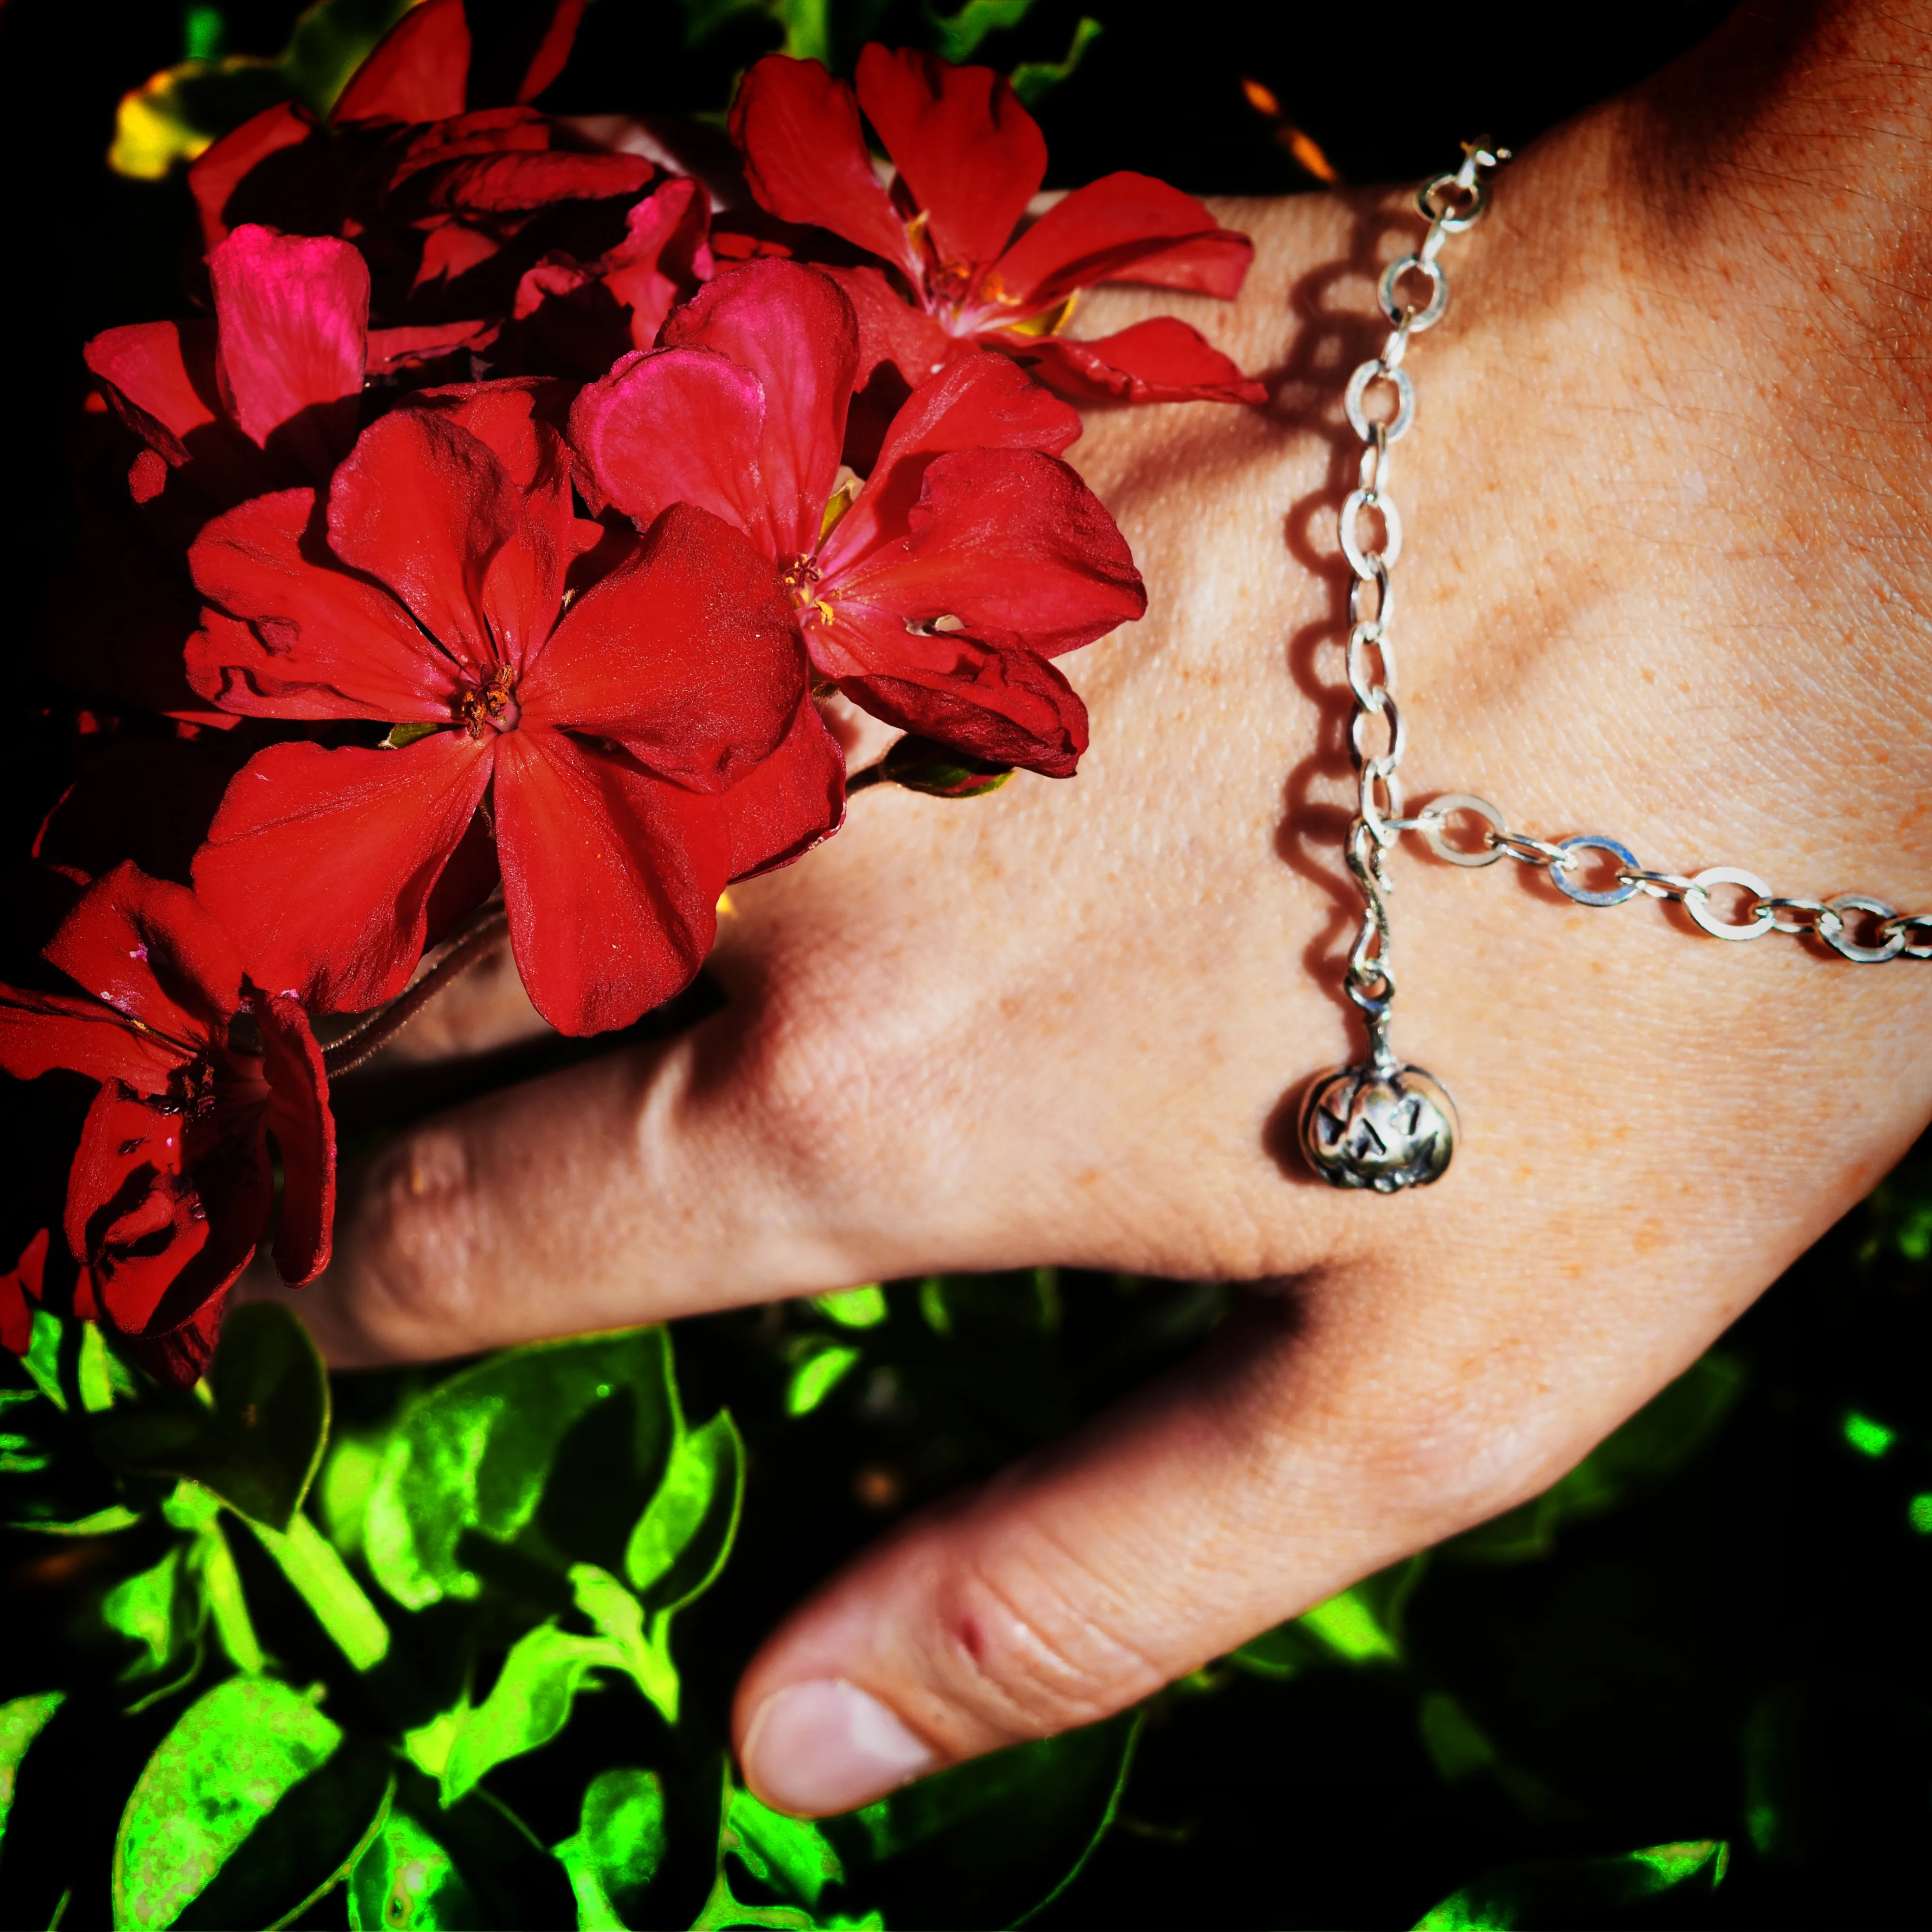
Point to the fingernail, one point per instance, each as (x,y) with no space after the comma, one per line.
(827,1746)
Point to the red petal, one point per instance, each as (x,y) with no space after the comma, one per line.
(423,506)
(313,641)
(794,329)
(971,154)
(305,1132)
(516,417)
(661,257)
(150,950)
(531,56)
(687,654)
(1005,705)
(981,402)
(512,183)
(891,329)
(1003,540)
(789,803)
(41,1031)
(611,878)
(411,347)
(180,1356)
(293,316)
(20,1287)
(418,71)
(215,176)
(321,863)
(1159,361)
(805,158)
(145,369)
(1124,228)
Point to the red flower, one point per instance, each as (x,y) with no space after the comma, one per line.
(634,746)
(433,164)
(970,159)
(171,1186)
(972,555)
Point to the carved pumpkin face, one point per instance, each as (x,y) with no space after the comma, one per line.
(1360,1128)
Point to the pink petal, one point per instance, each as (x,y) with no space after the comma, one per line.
(794,330)
(1123,228)
(805,158)
(1001,541)
(971,154)
(687,654)
(293,316)
(305,1134)
(321,863)
(418,72)
(294,635)
(1159,361)
(789,803)
(611,878)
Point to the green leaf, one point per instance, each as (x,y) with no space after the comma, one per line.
(1554,1894)
(258,1443)
(346,1482)
(229,1760)
(1034,80)
(617,1848)
(50,1478)
(854,1307)
(956,36)
(790,1855)
(182,110)
(407,1879)
(620,1616)
(821,1366)
(212,1563)
(682,1540)
(323,1580)
(476,1454)
(1662,1436)
(158,1609)
(1361,1624)
(22,1721)
(402,735)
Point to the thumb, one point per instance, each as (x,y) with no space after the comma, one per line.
(1283,1465)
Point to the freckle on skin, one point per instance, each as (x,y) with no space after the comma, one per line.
(418,1185)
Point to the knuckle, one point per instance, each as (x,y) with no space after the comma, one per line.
(413,1251)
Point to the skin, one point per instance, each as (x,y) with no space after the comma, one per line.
(1666,578)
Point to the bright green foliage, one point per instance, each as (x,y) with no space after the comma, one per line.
(855,1307)
(1918,1513)
(791,1859)
(1665,1433)
(821,1366)
(1034,80)
(22,1721)
(183,109)
(157,1609)
(680,1542)
(342,1489)
(322,1580)
(617,1847)
(222,1769)
(257,1444)
(620,1617)
(406,1880)
(956,36)
(475,1454)
(1867,1437)
(1362,1624)
(1582,1891)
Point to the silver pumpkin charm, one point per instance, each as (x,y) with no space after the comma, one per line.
(1382,1126)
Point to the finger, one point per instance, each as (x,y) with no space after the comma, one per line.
(1335,1426)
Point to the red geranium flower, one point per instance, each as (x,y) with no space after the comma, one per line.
(634,747)
(970,159)
(972,555)
(433,162)
(171,1186)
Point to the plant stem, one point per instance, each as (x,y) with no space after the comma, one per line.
(483,939)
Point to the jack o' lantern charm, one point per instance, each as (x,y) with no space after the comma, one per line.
(1382,1126)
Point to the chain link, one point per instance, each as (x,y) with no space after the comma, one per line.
(1450,203)
(1836,922)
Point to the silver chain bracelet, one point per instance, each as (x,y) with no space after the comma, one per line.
(1381,1124)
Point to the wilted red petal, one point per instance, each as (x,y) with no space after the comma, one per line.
(217,173)
(794,329)
(423,505)
(677,426)
(790,802)
(1162,360)
(1001,541)
(321,863)
(891,329)
(305,1133)
(302,637)
(687,654)
(1005,705)
(971,154)
(149,949)
(1124,228)
(293,316)
(419,71)
(611,878)
(805,158)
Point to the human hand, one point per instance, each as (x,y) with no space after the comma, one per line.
(1664,579)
